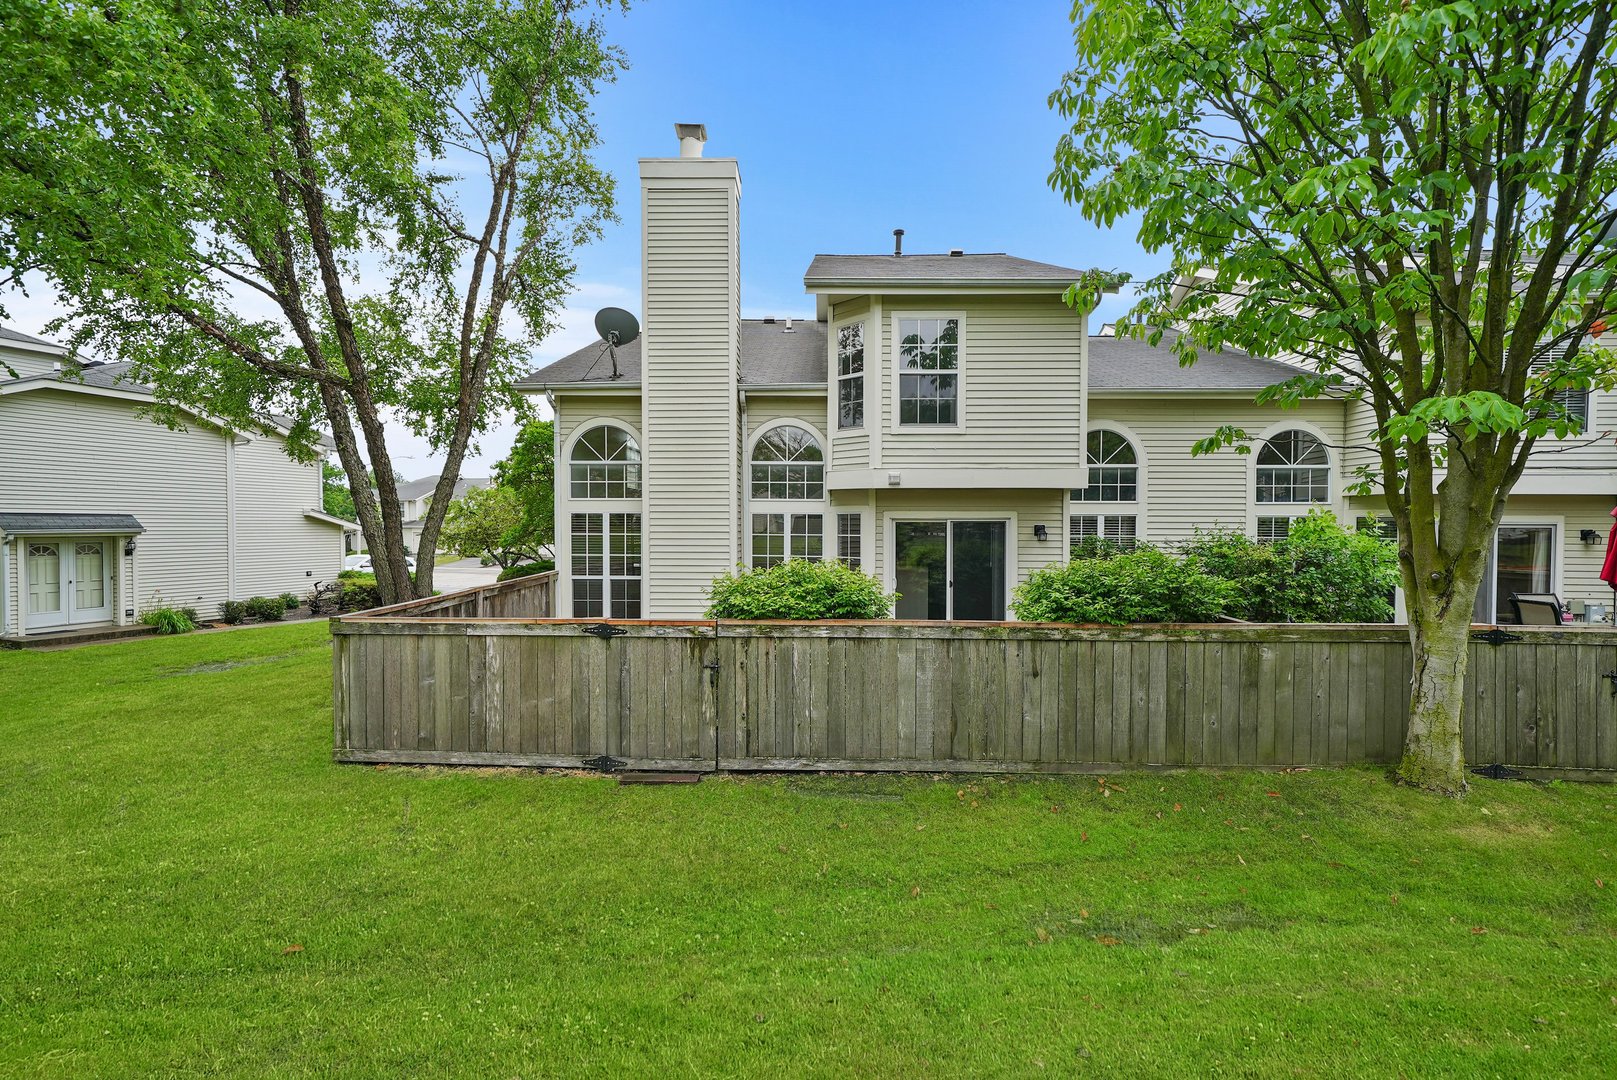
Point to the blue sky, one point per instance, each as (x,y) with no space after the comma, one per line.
(848,120)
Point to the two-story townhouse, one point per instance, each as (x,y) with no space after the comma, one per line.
(105,514)
(416,495)
(946,423)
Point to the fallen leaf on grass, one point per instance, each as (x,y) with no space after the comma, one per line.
(1107,939)
(1599,883)
(1479,929)
(1272,794)
(1393,898)
(1083,913)
(1239,859)
(915,891)
(290,949)
(1083,837)
(1043,934)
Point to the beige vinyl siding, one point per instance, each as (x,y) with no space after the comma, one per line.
(278,547)
(806,410)
(1020,391)
(851,448)
(1565,465)
(690,432)
(584,410)
(68,452)
(1031,508)
(26,364)
(1181,492)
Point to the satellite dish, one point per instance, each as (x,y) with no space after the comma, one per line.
(616,327)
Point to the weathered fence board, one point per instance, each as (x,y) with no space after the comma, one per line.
(983,697)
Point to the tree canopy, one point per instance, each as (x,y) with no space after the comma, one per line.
(345,212)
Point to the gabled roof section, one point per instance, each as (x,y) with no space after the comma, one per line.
(993,268)
(414,489)
(772,354)
(1127,363)
(27,342)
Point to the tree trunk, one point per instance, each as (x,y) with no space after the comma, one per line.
(1440,637)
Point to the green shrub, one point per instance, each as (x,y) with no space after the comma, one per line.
(527,569)
(1095,547)
(1144,585)
(1319,572)
(232,611)
(291,601)
(349,575)
(359,592)
(798,590)
(169,620)
(190,613)
(267,608)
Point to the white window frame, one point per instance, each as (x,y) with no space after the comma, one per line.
(895,374)
(834,415)
(1138,509)
(1083,509)
(752,505)
(1255,509)
(865,538)
(1012,547)
(567,506)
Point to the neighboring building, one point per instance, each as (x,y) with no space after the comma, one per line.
(105,514)
(946,423)
(416,495)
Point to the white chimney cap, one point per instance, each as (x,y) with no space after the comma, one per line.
(691,138)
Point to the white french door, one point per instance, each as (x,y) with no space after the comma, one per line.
(67,581)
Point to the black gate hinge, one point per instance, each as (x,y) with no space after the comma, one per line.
(604,631)
(1612,675)
(712,667)
(1495,636)
(604,763)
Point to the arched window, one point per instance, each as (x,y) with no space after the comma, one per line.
(1114,469)
(1293,467)
(787,463)
(606,464)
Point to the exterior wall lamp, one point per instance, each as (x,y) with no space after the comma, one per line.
(1040,533)
(129,546)
(1589,536)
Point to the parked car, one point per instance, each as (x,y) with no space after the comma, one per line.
(362,563)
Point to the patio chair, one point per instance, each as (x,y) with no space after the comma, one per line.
(1538,609)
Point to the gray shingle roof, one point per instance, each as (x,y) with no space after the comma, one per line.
(770,356)
(19,338)
(414,489)
(1125,363)
(990,268)
(69,524)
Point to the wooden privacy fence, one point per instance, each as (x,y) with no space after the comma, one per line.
(928,696)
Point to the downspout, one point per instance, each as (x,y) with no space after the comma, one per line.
(5,585)
(744,526)
(230,515)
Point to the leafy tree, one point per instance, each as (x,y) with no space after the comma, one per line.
(1408,198)
(479,525)
(529,473)
(336,499)
(255,203)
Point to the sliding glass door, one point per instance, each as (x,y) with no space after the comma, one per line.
(950,569)
(1521,561)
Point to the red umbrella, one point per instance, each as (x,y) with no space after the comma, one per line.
(1608,571)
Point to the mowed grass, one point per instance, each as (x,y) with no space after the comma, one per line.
(189,886)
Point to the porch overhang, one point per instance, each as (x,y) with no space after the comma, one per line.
(69,525)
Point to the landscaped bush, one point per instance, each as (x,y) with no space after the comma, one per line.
(798,590)
(169,620)
(267,608)
(1319,572)
(540,566)
(359,592)
(232,612)
(1144,585)
(290,601)
(190,613)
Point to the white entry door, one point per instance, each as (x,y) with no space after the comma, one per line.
(69,581)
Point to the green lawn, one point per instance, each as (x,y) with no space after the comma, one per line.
(188,886)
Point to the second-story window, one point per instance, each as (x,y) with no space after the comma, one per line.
(1293,467)
(851,376)
(928,372)
(1572,400)
(787,463)
(605,465)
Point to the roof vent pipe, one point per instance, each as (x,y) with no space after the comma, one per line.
(789,329)
(691,139)
(898,242)
(956,252)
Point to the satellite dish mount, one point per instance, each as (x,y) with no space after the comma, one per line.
(616,327)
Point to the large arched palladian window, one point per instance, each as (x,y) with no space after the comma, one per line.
(604,524)
(1293,469)
(1114,489)
(787,488)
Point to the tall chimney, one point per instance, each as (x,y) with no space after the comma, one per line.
(691,138)
(898,241)
(689,375)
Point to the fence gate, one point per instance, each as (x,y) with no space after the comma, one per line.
(564,693)
(1544,702)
